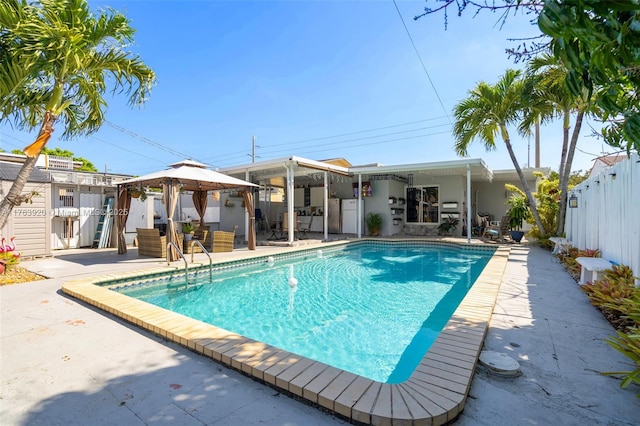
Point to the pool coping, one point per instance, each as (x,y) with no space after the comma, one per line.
(434,394)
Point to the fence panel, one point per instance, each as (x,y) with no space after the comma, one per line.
(607,214)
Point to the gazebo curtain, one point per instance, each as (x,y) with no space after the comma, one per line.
(122,213)
(200,203)
(170,194)
(248,202)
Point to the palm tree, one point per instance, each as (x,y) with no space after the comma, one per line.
(490,109)
(548,96)
(57,61)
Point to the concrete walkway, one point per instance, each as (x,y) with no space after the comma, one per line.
(64,363)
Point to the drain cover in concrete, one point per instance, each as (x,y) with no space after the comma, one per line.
(499,363)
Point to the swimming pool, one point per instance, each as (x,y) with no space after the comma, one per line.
(370,309)
(435,393)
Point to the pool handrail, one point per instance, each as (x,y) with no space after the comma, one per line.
(186,264)
(204,250)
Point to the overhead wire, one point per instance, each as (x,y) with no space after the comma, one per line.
(422,62)
(241,154)
(148,141)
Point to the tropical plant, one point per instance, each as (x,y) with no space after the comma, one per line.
(610,292)
(627,344)
(374,223)
(617,297)
(57,61)
(547,96)
(188,228)
(518,211)
(597,41)
(449,225)
(489,110)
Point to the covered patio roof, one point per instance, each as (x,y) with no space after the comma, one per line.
(272,172)
(478,168)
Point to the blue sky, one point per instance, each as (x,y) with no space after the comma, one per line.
(317,79)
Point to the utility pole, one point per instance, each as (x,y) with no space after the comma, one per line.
(253,149)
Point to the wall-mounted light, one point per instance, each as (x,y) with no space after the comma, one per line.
(613,176)
(573,201)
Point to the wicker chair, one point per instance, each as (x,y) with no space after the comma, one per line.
(150,243)
(223,240)
(202,234)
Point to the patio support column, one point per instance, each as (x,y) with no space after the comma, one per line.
(325,209)
(247,215)
(290,195)
(359,206)
(468,204)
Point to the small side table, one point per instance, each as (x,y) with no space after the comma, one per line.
(561,245)
(591,267)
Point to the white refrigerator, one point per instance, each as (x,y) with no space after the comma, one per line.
(350,219)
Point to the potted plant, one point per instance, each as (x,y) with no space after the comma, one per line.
(374,223)
(449,225)
(137,193)
(517,213)
(188,229)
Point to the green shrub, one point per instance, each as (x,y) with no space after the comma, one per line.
(628,344)
(617,297)
(10,259)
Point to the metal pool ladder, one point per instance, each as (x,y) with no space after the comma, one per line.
(186,264)
(204,250)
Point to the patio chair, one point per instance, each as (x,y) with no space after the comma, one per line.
(150,243)
(307,228)
(202,234)
(498,233)
(223,240)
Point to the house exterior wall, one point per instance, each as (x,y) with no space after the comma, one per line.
(491,197)
(30,223)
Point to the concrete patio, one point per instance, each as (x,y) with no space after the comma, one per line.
(63,362)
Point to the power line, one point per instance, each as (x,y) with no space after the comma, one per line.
(127,150)
(240,154)
(421,61)
(379,136)
(148,141)
(381,142)
(324,147)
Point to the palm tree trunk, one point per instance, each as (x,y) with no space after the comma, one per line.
(15,197)
(525,186)
(566,124)
(564,178)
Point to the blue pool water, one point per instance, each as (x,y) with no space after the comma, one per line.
(373,310)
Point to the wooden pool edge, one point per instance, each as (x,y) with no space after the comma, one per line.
(434,394)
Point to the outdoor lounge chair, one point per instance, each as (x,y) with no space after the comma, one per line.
(223,240)
(150,243)
(306,228)
(202,234)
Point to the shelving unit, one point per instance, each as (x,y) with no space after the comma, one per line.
(396,209)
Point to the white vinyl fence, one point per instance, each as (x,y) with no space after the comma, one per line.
(608,214)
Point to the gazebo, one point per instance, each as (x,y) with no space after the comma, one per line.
(186,175)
